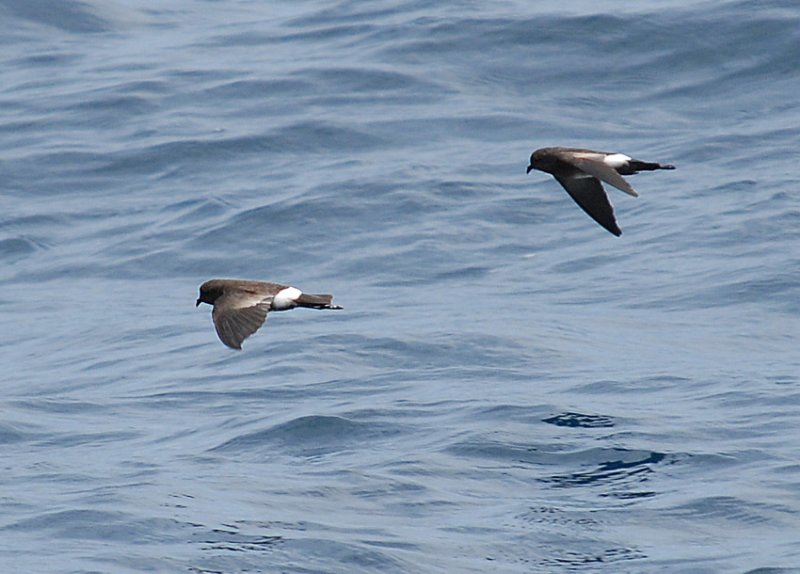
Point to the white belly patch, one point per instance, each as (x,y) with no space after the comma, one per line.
(616,160)
(285,299)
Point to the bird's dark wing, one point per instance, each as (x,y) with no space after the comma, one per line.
(589,194)
(603,172)
(237,316)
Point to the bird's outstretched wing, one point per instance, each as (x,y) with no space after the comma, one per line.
(589,194)
(237,316)
(602,171)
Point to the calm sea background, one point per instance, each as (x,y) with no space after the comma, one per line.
(509,388)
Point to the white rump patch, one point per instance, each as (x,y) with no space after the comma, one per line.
(285,299)
(616,160)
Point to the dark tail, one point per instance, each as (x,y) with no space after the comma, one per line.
(636,165)
(316,301)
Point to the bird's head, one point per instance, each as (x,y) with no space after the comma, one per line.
(534,163)
(210,291)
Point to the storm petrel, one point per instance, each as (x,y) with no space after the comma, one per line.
(241,306)
(580,172)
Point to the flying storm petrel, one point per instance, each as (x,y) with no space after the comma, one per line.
(241,306)
(580,172)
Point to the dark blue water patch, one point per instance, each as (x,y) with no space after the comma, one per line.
(10,434)
(510,453)
(152,160)
(781,290)
(460,274)
(76,440)
(194,210)
(320,137)
(111,108)
(762,285)
(259,89)
(465,355)
(376,87)
(305,137)
(618,472)
(249,387)
(732,509)
(279,220)
(350,12)
(141,88)
(784,379)
(43,59)
(406,271)
(754,232)
(581,560)
(528,414)
(401,264)
(355,81)
(48,174)
(37,221)
(251,546)
(247,38)
(12,249)
(621,475)
(351,557)
(582,264)
(580,420)
(156,158)
(557,516)
(312,435)
(377,203)
(320,34)
(430,131)
(646,385)
(89,524)
(69,15)
(61,406)
(233,540)
(403,498)
(569,540)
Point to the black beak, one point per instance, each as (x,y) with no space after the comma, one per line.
(198,303)
(530,167)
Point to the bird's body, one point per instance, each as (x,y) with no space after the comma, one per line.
(241,306)
(580,172)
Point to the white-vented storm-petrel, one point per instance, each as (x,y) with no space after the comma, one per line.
(241,306)
(580,172)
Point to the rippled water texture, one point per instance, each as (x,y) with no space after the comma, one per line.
(509,388)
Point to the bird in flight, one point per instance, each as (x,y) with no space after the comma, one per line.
(580,172)
(241,306)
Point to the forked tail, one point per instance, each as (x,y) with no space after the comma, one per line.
(637,165)
(316,301)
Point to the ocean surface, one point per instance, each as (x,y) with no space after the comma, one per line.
(509,387)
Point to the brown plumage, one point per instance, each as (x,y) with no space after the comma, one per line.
(241,306)
(580,172)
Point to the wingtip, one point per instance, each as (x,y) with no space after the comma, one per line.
(231,344)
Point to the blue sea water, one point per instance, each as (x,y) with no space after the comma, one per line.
(509,388)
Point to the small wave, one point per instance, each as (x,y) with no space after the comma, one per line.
(66,15)
(309,436)
(580,420)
